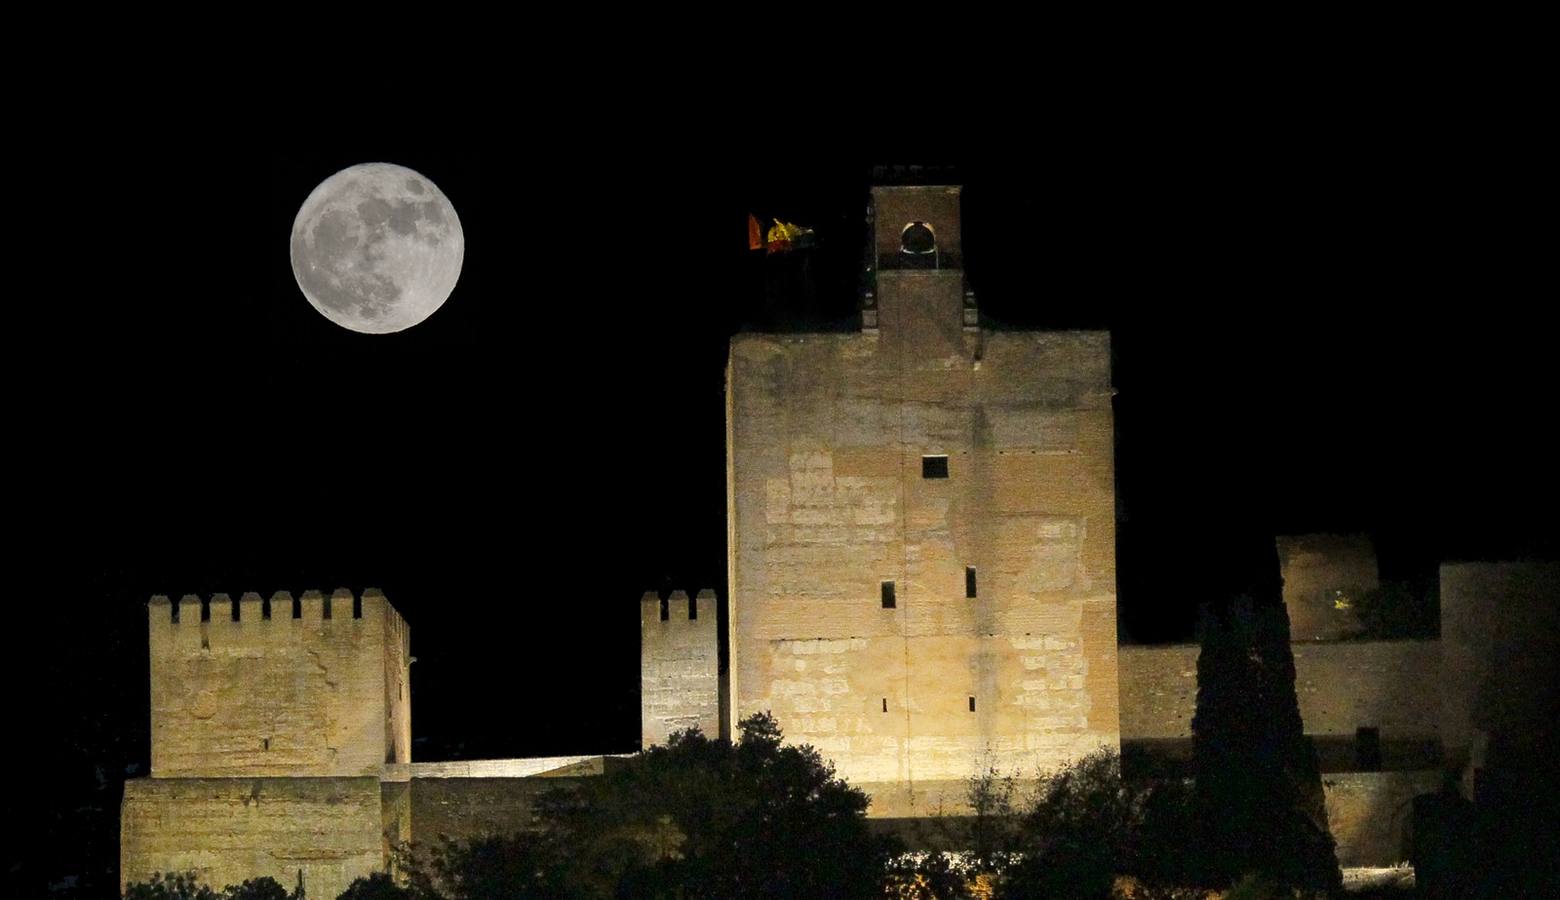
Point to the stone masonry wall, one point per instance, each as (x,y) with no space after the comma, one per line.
(257,696)
(1391,685)
(828,435)
(679,666)
(1370,814)
(230,829)
(1323,576)
(1499,628)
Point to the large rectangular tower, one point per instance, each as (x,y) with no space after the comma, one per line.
(922,529)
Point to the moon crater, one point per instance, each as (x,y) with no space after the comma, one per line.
(377,248)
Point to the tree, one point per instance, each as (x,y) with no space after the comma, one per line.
(185,886)
(1075,835)
(703,818)
(1259,801)
(492,867)
(993,820)
(377,886)
(256,889)
(172,886)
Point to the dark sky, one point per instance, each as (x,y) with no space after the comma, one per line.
(1303,340)
(1332,321)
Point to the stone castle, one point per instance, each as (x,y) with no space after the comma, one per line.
(921,572)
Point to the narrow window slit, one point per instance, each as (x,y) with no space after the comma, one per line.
(666,610)
(327,607)
(357,607)
(969,582)
(265,609)
(234,611)
(885,704)
(888,595)
(205,610)
(297,608)
(972,704)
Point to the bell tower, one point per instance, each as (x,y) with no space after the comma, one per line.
(914,290)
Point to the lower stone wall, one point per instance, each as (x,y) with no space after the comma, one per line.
(1394,686)
(465,808)
(227,830)
(1371,814)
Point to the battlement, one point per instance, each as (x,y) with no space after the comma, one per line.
(315,685)
(280,606)
(677,609)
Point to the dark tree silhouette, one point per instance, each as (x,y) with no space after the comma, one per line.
(172,886)
(1258,789)
(264,888)
(703,818)
(377,886)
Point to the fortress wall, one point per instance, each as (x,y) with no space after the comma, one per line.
(465,808)
(828,433)
(679,666)
(257,696)
(1370,814)
(1319,570)
(1499,623)
(1391,685)
(231,829)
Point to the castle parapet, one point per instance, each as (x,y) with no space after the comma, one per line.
(276,687)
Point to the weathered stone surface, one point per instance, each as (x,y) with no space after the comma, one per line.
(1500,634)
(257,696)
(230,829)
(1389,685)
(1370,814)
(1324,575)
(826,437)
(679,666)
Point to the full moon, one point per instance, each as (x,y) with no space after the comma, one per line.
(377,248)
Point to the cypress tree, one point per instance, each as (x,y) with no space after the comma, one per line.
(1258,786)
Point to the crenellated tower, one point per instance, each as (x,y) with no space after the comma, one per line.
(278,728)
(316,685)
(679,665)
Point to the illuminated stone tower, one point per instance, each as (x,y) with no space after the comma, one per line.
(921,528)
(278,727)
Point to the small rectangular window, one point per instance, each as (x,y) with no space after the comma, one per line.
(888,595)
(885,704)
(969,582)
(1367,749)
(972,704)
(934,467)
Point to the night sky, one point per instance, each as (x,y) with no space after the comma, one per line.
(1331,327)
